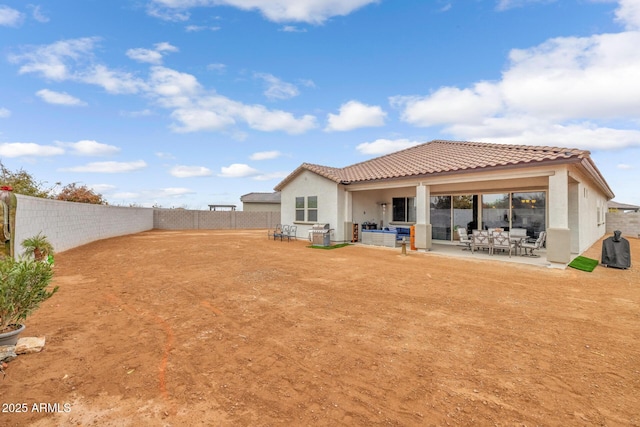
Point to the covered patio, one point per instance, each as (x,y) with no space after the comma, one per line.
(454,250)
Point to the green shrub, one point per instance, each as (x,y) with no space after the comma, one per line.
(38,246)
(23,286)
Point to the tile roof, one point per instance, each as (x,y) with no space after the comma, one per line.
(436,157)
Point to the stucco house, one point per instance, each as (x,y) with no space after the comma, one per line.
(261,202)
(440,186)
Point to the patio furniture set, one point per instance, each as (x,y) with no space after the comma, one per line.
(515,240)
(283,232)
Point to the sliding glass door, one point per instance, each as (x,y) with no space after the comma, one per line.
(441,217)
(495,211)
(529,212)
(498,210)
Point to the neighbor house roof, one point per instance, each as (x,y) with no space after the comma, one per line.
(611,204)
(261,198)
(446,157)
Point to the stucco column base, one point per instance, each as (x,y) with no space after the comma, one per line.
(423,236)
(558,245)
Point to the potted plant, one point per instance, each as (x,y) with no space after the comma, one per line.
(23,286)
(38,246)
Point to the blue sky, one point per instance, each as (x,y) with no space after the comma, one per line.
(185,103)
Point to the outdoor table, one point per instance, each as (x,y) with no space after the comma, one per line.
(517,241)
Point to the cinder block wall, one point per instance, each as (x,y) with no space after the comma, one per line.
(628,223)
(68,224)
(181,219)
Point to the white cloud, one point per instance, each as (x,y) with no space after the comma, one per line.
(37,14)
(88,147)
(566,91)
(196,28)
(193,108)
(260,118)
(108,167)
(189,171)
(276,88)
(5,113)
(73,60)
(163,155)
(628,14)
(532,131)
(354,115)
(220,68)
(238,170)
(451,105)
(10,17)
(311,11)
(510,4)
(102,188)
(265,155)
(167,14)
(215,113)
(53,61)
(380,147)
(135,114)
(166,47)
(145,55)
(198,119)
(26,149)
(113,81)
(59,98)
(624,166)
(151,56)
(173,87)
(292,29)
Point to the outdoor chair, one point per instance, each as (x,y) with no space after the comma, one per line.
(480,240)
(284,231)
(532,246)
(291,233)
(465,240)
(501,240)
(272,233)
(517,236)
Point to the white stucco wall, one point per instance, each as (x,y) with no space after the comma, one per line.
(310,184)
(68,225)
(592,225)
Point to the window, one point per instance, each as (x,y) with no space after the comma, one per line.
(404,209)
(312,208)
(299,208)
(307,209)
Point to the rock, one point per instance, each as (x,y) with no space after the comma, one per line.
(29,345)
(7,353)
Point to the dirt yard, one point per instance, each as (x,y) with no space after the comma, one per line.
(228,328)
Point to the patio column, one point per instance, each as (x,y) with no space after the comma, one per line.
(423,217)
(348,216)
(558,233)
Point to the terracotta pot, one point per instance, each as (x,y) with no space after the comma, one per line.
(11,337)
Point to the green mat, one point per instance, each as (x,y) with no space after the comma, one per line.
(584,264)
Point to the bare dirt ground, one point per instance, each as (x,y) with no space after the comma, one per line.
(229,328)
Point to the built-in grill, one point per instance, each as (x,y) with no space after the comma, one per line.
(320,235)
